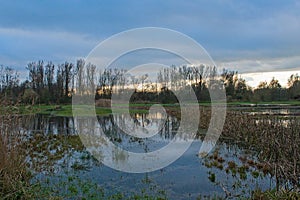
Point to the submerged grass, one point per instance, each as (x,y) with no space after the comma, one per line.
(16,149)
(275,195)
(73,187)
(276,139)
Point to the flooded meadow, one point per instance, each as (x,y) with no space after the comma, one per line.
(257,151)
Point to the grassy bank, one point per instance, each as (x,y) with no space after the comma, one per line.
(66,110)
(61,110)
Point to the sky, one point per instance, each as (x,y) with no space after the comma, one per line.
(250,36)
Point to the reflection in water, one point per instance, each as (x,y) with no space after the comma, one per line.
(157,151)
(140,125)
(55,149)
(165,131)
(48,125)
(280,110)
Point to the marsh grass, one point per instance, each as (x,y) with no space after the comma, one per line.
(14,176)
(276,140)
(274,195)
(273,142)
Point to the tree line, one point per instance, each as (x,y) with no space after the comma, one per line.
(48,83)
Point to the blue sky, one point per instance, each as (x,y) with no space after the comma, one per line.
(246,35)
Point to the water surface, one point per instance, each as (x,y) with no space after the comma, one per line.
(55,153)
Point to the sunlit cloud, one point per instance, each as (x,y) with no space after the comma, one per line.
(253,79)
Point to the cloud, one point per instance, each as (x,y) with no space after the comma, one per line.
(253,79)
(254,34)
(263,65)
(19,46)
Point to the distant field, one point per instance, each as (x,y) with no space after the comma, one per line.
(61,110)
(66,110)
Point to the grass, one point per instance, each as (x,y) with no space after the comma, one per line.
(62,110)
(74,187)
(274,195)
(264,134)
(16,181)
(277,142)
(66,110)
(14,176)
(291,102)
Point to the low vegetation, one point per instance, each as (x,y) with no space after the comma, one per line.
(14,175)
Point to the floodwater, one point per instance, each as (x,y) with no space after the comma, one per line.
(57,157)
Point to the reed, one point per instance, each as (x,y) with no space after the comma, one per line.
(276,140)
(14,176)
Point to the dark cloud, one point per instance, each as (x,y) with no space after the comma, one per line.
(231,30)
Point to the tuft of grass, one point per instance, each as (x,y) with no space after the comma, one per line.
(212,177)
(274,195)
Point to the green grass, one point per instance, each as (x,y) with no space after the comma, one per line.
(66,110)
(294,102)
(63,110)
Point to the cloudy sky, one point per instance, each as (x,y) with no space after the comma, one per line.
(250,36)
